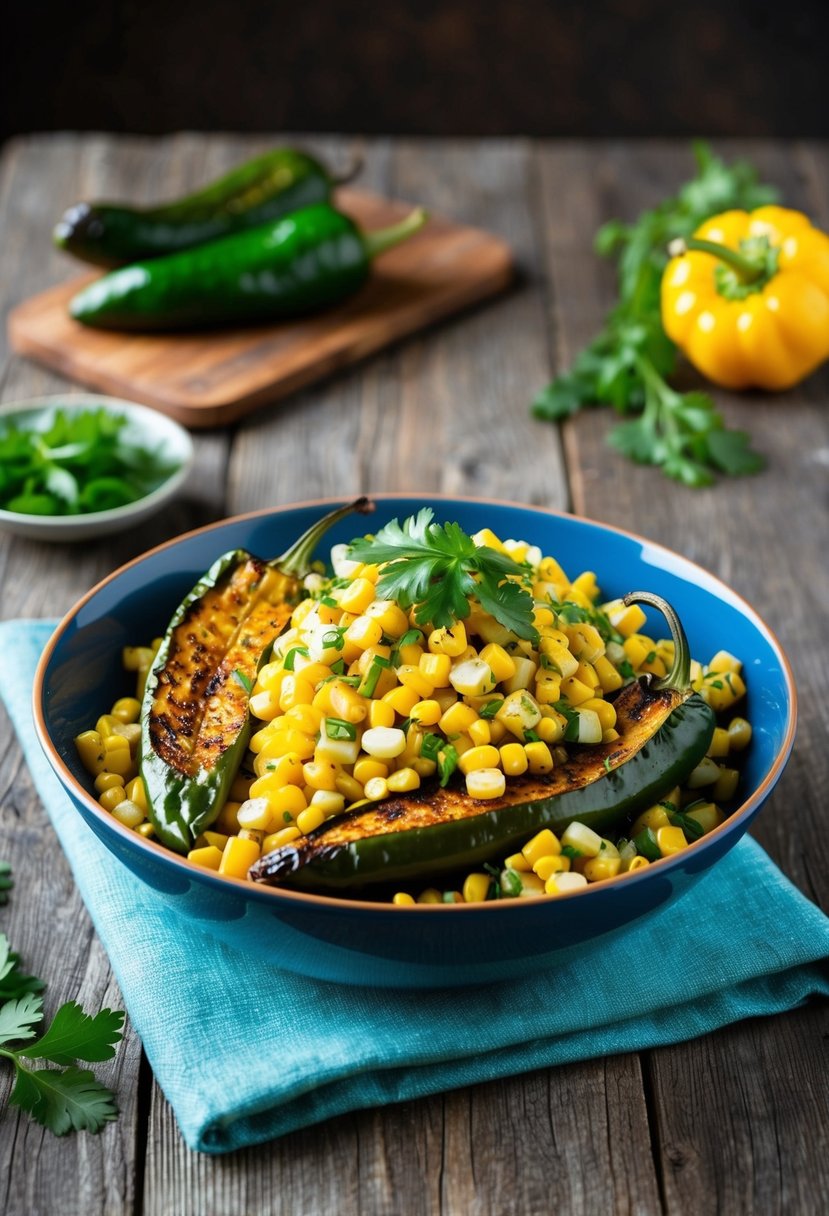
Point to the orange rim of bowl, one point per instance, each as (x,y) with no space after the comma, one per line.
(263,892)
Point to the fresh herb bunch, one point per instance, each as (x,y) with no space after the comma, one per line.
(66,1098)
(80,463)
(436,568)
(627,364)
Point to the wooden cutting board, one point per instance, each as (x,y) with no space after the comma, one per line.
(210,379)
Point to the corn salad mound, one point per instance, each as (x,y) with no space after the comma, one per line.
(357,703)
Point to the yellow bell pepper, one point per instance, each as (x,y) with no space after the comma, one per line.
(747,298)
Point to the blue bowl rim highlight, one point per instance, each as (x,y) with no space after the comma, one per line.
(259,892)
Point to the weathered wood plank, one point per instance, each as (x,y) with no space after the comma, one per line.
(711,1099)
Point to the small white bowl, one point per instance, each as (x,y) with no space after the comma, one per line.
(145,427)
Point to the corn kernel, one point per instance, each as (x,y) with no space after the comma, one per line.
(376,789)
(513,759)
(128,813)
(107,781)
(739,734)
(670,840)
(583,839)
(457,719)
(447,641)
(720,743)
(137,794)
(430,896)
(517,861)
(403,781)
(552,863)
(146,830)
(725,787)
(357,596)
(311,818)
(126,709)
(476,888)
(90,747)
(480,732)
(209,858)
(543,844)
(436,668)
(403,900)
(539,757)
(706,814)
(110,798)
(391,618)
(484,756)
(485,782)
(366,768)
(277,839)
(596,869)
(226,820)
(255,813)
(560,884)
(320,775)
(412,677)
(238,856)
(427,713)
(637,863)
(402,700)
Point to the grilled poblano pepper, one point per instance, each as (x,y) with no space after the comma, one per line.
(664,730)
(261,190)
(305,261)
(194,717)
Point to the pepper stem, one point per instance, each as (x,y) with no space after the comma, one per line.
(295,562)
(379,241)
(679,677)
(749,269)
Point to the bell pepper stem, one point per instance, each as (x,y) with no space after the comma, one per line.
(295,561)
(747,268)
(384,238)
(679,677)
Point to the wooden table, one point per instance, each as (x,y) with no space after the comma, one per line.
(734,1122)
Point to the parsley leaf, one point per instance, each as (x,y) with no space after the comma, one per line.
(626,366)
(436,569)
(243,680)
(64,1101)
(75,1035)
(18,1018)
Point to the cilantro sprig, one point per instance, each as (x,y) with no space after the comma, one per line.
(628,364)
(436,569)
(66,1098)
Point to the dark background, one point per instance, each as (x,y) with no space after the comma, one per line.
(434,67)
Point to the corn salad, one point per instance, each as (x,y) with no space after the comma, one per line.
(357,703)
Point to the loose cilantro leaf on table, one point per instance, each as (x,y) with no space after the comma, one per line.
(436,568)
(628,363)
(6,881)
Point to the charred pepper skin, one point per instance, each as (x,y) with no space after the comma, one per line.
(667,731)
(257,192)
(195,721)
(306,261)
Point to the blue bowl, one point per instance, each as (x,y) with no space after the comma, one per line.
(357,942)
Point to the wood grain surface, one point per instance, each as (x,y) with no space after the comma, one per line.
(736,1122)
(213,379)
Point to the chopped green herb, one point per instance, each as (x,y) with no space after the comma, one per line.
(338,728)
(290,657)
(626,669)
(490,709)
(511,884)
(334,639)
(244,680)
(690,827)
(369,683)
(531,736)
(430,746)
(607,765)
(329,601)
(287,817)
(715,683)
(650,656)
(437,568)
(447,763)
(6,881)
(338,668)
(569,850)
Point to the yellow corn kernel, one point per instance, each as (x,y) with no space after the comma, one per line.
(484,756)
(586,673)
(739,734)
(436,668)
(637,863)
(108,781)
(654,817)
(255,834)
(403,900)
(289,742)
(286,770)
(543,844)
(706,773)
(126,709)
(720,744)
(457,719)
(531,885)
(470,677)
(110,798)
(226,820)
(412,677)
(217,839)
(304,718)
(410,655)
(519,713)
(476,888)
(583,839)
(430,896)
(447,641)
(501,664)
(603,710)
(549,730)
(363,632)
(610,736)
(346,702)
(485,783)
(286,803)
(357,596)
(403,781)
(487,538)
(118,759)
(313,816)
(517,861)
(514,760)
(384,742)
(598,868)
(609,677)
(367,768)
(380,713)
(706,814)
(555,652)
(128,814)
(146,830)
(389,616)
(134,658)
(539,757)
(627,621)
(722,689)
(265,705)
(320,775)
(671,840)
(255,813)
(105,725)
(238,856)
(346,785)
(723,661)
(480,732)
(427,713)
(725,787)
(547,688)
(90,747)
(209,857)
(575,691)
(637,647)
(137,794)
(295,690)
(402,700)
(424,767)
(376,789)
(551,863)
(277,839)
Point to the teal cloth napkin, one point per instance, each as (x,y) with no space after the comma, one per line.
(246,1052)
